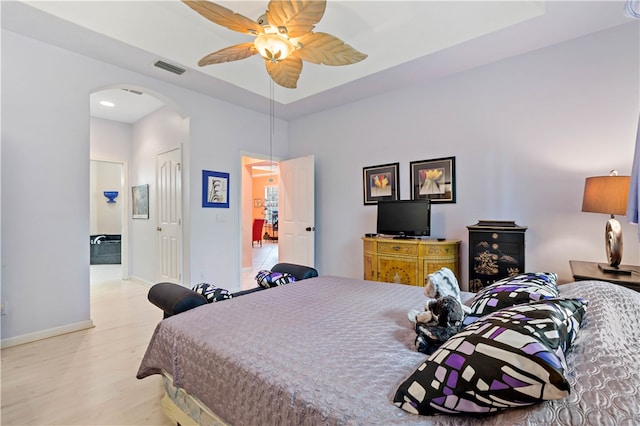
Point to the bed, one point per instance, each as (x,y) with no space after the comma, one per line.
(334,351)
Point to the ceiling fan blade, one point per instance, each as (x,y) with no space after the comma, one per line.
(323,48)
(285,73)
(229,54)
(225,17)
(297,16)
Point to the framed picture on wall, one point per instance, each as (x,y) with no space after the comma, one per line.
(434,180)
(380,183)
(140,201)
(215,189)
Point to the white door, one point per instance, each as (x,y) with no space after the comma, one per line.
(296,219)
(170,216)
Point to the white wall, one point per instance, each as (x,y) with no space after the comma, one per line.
(45,190)
(109,140)
(45,158)
(110,146)
(105,217)
(218,135)
(158,132)
(525,133)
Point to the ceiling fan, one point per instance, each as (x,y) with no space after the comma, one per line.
(283,37)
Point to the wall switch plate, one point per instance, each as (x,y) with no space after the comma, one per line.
(3,308)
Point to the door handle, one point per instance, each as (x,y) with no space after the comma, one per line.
(158,229)
(310,228)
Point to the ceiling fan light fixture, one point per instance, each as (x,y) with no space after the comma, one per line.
(273,47)
(284,37)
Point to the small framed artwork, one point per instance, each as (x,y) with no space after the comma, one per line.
(434,180)
(257,202)
(381,183)
(215,189)
(140,201)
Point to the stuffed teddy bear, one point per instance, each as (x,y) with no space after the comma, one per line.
(444,283)
(439,284)
(444,320)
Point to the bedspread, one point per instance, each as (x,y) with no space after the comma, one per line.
(333,351)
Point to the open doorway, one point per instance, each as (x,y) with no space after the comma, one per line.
(136,126)
(259,217)
(113,111)
(107,236)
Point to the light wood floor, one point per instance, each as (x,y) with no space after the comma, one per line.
(89,377)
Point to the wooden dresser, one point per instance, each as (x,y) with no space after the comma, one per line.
(408,261)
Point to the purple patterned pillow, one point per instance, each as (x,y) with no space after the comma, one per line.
(515,290)
(212,293)
(510,358)
(268,279)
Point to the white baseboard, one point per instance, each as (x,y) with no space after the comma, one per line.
(139,280)
(45,334)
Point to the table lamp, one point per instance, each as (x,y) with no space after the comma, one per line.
(608,194)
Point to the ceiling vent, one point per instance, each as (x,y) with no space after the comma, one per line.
(168,67)
(135,92)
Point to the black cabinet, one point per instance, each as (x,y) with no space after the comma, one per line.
(496,251)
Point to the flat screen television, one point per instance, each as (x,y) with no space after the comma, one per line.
(404,218)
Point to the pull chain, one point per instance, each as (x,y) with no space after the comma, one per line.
(271,123)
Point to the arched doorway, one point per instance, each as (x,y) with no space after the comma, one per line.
(134,126)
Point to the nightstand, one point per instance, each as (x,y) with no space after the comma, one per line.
(582,271)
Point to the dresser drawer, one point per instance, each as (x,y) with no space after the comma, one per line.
(449,249)
(403,249)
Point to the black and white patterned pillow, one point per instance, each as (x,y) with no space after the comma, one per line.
(514,290)
(510,358)
(211,293)
(268,279)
